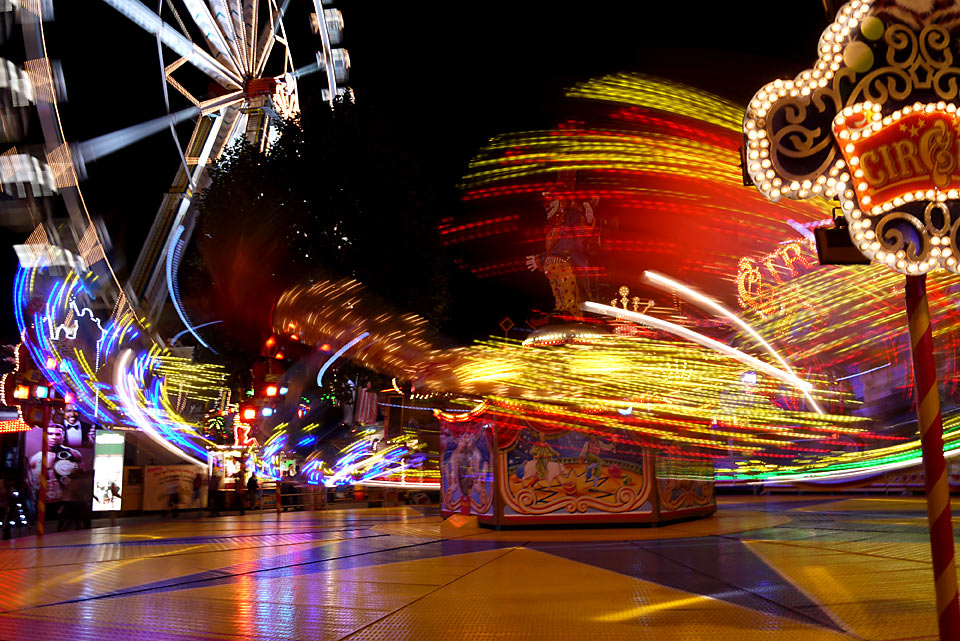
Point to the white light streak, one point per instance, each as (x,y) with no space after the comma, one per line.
(109,143)
(689,294)
(338,354)
(700,339)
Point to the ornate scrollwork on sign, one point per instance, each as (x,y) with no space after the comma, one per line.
(801,146)
(905,176)
(905,238)
(875,125)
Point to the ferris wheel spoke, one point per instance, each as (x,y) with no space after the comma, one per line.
(169,79)
(251,12)
(182,90)
(209,143)
(223,15)
(200,13)
(101,146)
(316,65)
(139,14)
(236,13)
(219,102)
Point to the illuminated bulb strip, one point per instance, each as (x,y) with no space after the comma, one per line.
(830,61)
(562,337)
(859,223)
(882,124)
(689,294)
(13,425)
(842,178)
(683,332)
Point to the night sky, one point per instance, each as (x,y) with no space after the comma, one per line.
(445,75)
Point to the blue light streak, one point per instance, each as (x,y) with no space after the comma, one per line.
(844,378)
(173,255)
(176,337)
(336,355)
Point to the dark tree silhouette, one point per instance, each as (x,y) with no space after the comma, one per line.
(335,194)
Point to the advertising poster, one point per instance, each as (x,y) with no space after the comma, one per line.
(168,487)
(107,471)
(69,465)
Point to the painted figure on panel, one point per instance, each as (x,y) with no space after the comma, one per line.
(590,454)
(543,454)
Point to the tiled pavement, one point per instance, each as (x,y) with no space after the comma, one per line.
(762,568)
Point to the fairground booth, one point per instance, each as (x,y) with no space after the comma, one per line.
(510,469)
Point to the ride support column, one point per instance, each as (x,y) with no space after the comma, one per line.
(934,463)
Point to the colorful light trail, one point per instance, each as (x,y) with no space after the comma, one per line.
(663,159)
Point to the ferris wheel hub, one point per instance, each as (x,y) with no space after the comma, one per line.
(259,87)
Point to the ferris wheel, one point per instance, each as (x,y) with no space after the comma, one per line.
(110,364)
(247,81)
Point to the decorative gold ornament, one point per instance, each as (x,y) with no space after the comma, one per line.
(633,304)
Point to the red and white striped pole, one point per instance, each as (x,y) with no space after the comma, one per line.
(934,464)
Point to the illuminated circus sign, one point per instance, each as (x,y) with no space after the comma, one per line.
(873,124)
(911,154)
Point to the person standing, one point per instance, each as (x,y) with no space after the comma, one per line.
(113,498)
(197,484)
(238,488)
(253,491)
(213,495)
